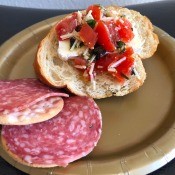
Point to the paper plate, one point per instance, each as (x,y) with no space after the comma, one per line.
(138,129)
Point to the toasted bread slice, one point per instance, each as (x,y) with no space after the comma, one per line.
(58,73)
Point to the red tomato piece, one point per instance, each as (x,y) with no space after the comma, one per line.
(67,25)
(120,79)
(104,38)
(123,22)
(88,36)
(103,63)
(125,35)
(125,66)
(128,52)
(79,61)
(96,11)
(124,30)
(112,30)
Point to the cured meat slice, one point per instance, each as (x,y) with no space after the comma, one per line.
(70,135)
(23,93)
(26,101)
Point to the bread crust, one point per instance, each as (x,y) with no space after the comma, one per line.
(51,74)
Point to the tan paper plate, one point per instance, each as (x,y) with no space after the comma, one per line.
(138,129)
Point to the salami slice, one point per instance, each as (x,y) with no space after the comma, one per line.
(27,101)
(70,135)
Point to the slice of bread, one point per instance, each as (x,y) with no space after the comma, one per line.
(58,73)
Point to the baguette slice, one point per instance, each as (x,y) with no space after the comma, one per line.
(55,72)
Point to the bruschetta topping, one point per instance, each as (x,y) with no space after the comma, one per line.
(99,39)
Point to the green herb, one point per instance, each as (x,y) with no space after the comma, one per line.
(121,46)
(124,76)
(72,40)
(91,23)
(99,51)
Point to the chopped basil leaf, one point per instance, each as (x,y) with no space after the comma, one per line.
(121,46)
(98,51)
(91,23)
(124,76)
(72,40)
(78,28)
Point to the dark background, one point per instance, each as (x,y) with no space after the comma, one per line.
(13,20)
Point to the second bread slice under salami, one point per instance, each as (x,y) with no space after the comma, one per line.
(69,136)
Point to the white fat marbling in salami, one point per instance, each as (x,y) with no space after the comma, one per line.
(70,135)
(26,101)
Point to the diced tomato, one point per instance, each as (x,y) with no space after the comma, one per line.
(125,35)
(79,61)
(123,22)
(124,30)
(112,30)
(88,36)
(104,38)
(103,64)
(128,52)
(96,11)
(67,25)
(125,66)
(119,77)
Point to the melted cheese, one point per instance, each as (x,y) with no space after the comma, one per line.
(88,16)
(136,42)
(65,52)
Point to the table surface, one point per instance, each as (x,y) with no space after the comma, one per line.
(13,20)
